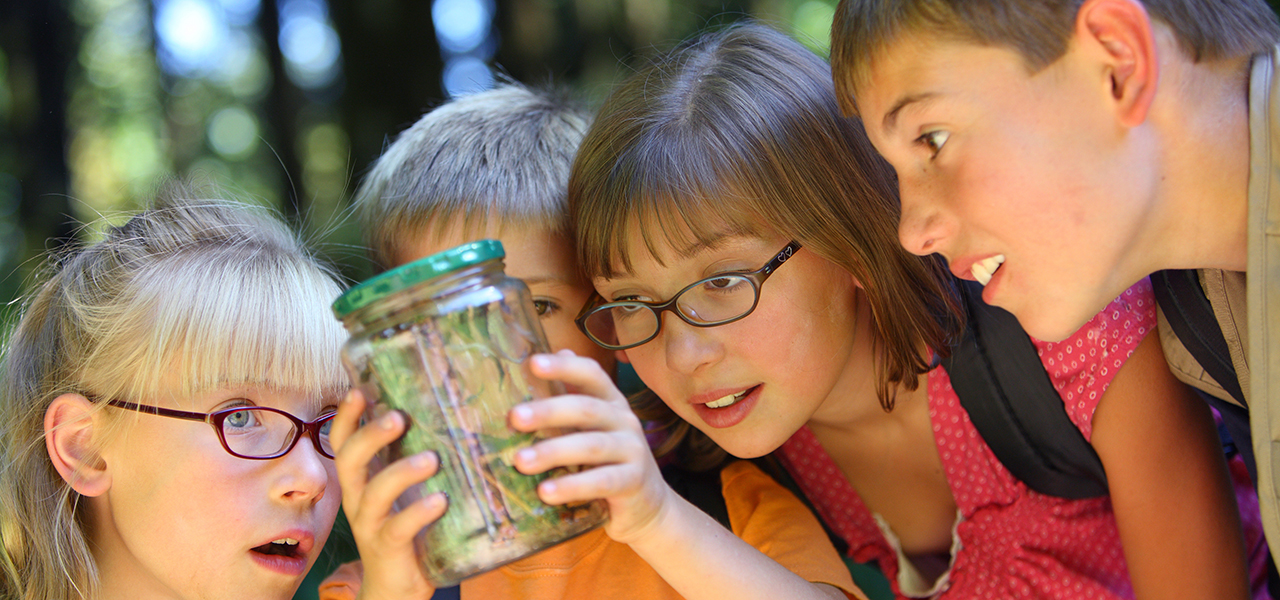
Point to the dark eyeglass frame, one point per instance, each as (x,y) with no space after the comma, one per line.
(215,419)
(757,278)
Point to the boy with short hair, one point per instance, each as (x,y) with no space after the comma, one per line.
(496,165)
(1058,151)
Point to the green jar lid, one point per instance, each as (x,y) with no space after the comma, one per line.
(418,271)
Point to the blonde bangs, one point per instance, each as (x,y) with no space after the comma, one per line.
(244,317)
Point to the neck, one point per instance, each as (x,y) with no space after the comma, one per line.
(1203,129)
(853,404)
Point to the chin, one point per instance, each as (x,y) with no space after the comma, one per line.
(746,448)
(1050,324)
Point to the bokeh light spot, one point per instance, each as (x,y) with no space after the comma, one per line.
(233,133)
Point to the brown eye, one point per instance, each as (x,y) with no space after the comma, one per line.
(545,307)
(934,141)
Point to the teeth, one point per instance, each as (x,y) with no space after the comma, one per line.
(983,269)
(285,541)
(728,400)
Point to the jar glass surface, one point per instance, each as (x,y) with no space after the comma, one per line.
(451,353)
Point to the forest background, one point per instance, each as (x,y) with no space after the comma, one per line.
(283,102)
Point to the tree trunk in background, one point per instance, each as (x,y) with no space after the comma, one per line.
(283,104)
(391,62)
(39,41)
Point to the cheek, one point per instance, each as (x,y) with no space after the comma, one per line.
(646,361)
(197,498)
(1011,199)
(332,500)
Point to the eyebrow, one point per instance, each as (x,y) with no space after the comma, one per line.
(716,241)
(890,121)
(547,279)
(699,247)
(692,249)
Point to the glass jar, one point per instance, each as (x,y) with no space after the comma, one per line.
(446,339)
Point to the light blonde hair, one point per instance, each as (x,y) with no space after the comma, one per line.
(499,157)
(188,295)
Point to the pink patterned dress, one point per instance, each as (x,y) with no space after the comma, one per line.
(1008,541)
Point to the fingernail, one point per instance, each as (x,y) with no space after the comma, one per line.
(522,413)
(526,456)
(541,362)
(548,488)
(388,421)
(419,461)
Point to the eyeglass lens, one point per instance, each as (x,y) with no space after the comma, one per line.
(259,432)
(709,301)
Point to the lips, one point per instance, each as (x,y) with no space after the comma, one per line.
(721,409)
(287,553)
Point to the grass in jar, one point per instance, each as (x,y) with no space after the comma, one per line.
(444,374)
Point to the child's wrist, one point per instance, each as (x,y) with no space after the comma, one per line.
(670,519)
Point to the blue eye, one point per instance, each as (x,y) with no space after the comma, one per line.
(241,419)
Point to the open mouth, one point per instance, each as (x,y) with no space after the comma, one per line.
(286,547)
(985,268)
(731,399)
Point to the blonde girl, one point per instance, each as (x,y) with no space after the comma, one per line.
(164,412)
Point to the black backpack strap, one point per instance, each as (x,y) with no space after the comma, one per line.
(997,373)
(701,488)
(1191,317)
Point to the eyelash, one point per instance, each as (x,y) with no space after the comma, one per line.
(545,308)
(237,403)
(929,140)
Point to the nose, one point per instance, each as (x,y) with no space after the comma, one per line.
(923,228)
(304,474)
(688,348)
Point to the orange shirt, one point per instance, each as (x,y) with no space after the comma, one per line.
(761,512)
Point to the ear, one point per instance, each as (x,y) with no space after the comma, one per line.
(1120,32)
(857,283)
(70,423)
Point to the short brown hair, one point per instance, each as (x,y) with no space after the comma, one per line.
(740,129)
(1039,30)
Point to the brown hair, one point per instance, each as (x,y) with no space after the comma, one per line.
(740,129)
(1039,30)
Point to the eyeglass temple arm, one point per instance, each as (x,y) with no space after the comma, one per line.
(783,256)
(156,410)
